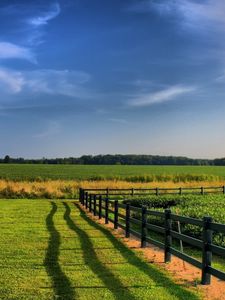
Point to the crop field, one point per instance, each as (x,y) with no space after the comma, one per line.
(191,206)
(195,206)
(52,250)
(31,172)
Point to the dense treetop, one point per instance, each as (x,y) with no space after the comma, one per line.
(118,159)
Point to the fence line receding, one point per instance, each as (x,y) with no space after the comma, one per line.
(123,216)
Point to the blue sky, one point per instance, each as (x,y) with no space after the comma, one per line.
(95,77)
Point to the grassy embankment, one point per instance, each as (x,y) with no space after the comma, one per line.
(51,249)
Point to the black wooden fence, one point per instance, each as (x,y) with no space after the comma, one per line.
(121,216)
(158,191)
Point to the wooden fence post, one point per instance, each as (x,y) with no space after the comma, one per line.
(206,253)
(157,191)
(143,226)
(86,199)
(202,190)
(83,196)
(90,202)
(94,205)
(107,192)
(180,190)
(80,195)
(100,208)
(127,220)
(132,192)
(224,189)
(106,211)
(168,238)
(116,214)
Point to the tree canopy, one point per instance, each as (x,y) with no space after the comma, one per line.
(118,159)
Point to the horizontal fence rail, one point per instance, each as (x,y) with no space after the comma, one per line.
(157,191)
(124,215)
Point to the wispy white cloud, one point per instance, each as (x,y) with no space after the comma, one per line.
(37,24)
(53,82)
(144,85)
(11,82)
(9,51)
(52,128)
(220,78)
(50,82)
(101,111)
(161,96)
(117,120)
(192,14)
(46,16)
(30,19)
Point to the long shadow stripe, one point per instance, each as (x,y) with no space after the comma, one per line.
(61,284)
(158,277)
(92,261)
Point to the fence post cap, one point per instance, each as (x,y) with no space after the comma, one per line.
(207,219)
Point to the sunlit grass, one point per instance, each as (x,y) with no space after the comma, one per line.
(52,250)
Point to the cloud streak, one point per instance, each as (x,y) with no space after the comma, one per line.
(49,82)
(46,16)
(120,121)
(192,14)
(162,96)
(53,128)
(32,27)
(11,82)
(12,51)
(38,23)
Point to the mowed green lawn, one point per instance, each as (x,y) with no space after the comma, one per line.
(52,250)
(83,172)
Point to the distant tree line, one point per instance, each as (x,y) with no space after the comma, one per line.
(119,159)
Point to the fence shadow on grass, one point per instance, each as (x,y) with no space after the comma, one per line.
(157,276)
(91,260)
(61,284)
